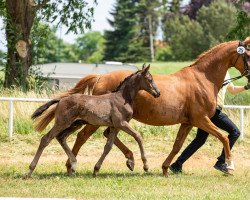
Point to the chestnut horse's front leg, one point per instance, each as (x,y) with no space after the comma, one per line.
(180,138)
(208,126)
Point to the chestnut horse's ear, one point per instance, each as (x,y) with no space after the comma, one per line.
(247,41)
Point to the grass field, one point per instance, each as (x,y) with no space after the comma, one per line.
(115,181)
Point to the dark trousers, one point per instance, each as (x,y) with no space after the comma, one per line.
(222,121)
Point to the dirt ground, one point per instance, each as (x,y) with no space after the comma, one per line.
(22,150)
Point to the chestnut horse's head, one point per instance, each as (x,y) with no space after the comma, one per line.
(241,58)
(147,83)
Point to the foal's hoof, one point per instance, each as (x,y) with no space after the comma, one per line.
(145,168)
(26,176)
(96,170)
(130,164)
(71,172)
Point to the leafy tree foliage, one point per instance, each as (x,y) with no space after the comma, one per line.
(48,48)
(188,38)
(90,47)
(216,21)
(19,18)
(133,24)
(241,29)
(194,6)
(185,37)
(117,40)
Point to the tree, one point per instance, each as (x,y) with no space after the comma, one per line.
(47,47)
(149,13)
(117,40)
(185,37)
(2,58)
(194,6)
(216,20)
(90,47)
(19,18)
(134,26)
(188,38)
(241,29)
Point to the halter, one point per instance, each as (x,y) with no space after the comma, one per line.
(241,50)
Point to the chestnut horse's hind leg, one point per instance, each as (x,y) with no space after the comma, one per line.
(82,137)
(206,125)
(45,140)
(61,138)
(126,127)
(125,150)
(180,138)
(107,148)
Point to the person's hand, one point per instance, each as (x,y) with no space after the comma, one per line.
(247,86)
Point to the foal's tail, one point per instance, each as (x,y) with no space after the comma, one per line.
(42,118)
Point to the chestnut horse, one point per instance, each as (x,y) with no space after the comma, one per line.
(113,110)
(187,97)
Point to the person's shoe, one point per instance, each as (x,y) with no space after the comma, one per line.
(175,168)
(221,167)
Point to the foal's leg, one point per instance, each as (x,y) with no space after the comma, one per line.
(107,148)
(206,125)
(82,137)
(180,138)
(125,150)
(62,140)
(127,128)
(45,140)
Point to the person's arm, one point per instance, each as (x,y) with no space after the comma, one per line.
(231,88)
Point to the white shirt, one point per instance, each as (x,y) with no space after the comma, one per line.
(222,93)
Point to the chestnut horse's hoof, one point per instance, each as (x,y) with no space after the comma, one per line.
(165,171)
(130,164)
(230,172)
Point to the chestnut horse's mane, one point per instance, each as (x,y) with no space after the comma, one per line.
(205,55)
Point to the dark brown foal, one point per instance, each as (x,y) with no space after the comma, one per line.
(113,110)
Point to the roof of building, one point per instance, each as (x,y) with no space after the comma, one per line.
(79,70)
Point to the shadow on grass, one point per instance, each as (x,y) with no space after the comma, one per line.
(84,175)
(88,174)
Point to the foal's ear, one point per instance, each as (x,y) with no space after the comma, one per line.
(145,69)
(143,66)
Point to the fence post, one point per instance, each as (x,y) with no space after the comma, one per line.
(11,119)
(241,123)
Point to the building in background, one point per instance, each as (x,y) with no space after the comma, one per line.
(66,75)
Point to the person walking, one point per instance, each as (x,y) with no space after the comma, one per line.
(221,120)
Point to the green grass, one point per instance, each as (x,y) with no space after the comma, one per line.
(115,181)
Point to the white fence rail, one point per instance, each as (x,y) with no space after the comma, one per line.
(12,99)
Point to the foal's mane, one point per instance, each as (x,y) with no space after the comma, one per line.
(211,52)
(125,80)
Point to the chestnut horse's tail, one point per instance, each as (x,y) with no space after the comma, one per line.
(42,118)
